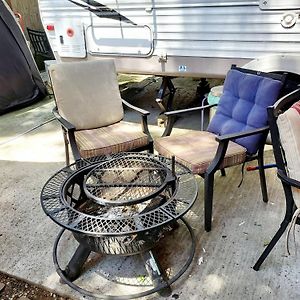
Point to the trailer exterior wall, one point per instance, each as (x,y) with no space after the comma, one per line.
(184,38)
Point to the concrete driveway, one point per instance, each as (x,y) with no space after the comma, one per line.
(221,268)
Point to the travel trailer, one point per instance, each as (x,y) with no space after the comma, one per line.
(173,37)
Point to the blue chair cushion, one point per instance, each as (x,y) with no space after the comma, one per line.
(243,106)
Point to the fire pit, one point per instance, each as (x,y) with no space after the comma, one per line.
(121,204)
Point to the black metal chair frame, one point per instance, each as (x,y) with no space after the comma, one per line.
(287,182)
(40,43)
(222,148)
(69,132)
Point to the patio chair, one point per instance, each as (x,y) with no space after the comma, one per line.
(235,135)
(38,40)
(284,120)
(90,110)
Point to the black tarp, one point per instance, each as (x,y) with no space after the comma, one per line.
(20,80)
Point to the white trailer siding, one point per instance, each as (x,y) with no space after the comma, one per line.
(54,12)
(177,37)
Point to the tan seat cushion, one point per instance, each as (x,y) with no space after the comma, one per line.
(289,130)
(87,93)
(119,137)
(197,149)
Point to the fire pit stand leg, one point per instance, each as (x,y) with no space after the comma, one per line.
(156,272)
(74,267)
(161,284)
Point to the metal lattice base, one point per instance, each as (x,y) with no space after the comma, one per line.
(158,285)
(124,245)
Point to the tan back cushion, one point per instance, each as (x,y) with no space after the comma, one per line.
(289,130)
(87,93)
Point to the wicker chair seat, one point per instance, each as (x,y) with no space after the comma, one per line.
(189,156)
(118,137)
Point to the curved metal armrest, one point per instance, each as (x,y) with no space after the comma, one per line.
(70,130)
(144,114)
(238,135)
(223,145)
(137,109)
(66,124)
(171,116)
(287,99)
(288,180)
(182,111)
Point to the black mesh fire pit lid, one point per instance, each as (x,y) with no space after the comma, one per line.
(69,217)
(127,180)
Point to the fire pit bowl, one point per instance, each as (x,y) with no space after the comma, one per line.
(121,204)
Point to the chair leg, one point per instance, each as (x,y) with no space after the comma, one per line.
(262,175)
(223,172)
(151,147)
(208,200)
(271,245)
(290,208)
(66,148)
